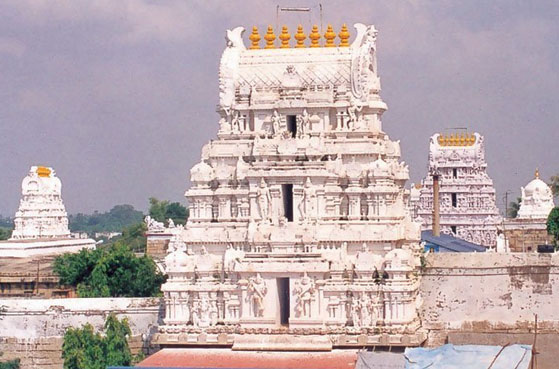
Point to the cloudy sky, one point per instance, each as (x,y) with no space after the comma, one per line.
(119,96)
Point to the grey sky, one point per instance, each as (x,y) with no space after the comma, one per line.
(119,96)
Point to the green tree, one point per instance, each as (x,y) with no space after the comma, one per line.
(5,233)
(85,349)
(10,364)
(113,271)
(513,208)
(114,220)
(553,225)
(164,210)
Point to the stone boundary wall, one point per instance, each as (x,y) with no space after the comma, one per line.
(32,329)
(489,298)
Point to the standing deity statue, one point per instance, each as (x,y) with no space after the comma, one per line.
(354,118)
(276,123)
(307,205)
(236,122)
(304,291)
(357,307)
(257,290)
(264,201)
(300,126)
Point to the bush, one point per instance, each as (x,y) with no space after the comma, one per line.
(111,272)
(84,349)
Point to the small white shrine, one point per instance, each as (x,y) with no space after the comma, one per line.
(41,222)
(468,207)
(298,236)
(536,201)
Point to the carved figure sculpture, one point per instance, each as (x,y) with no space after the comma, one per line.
(257,290)
(276,123)
(307,204)
(353,112)
(236,122)
(304,292)
(364,62)
(264,201)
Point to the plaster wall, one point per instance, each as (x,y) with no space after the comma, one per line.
(491,298)
(33,329)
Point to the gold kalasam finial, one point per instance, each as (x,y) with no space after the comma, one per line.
(344,36)
(330,35)
(43,172)
(284,37)
(270,37)
(462,140)
(300,37)
(314,36)
(537,173)
(254,38)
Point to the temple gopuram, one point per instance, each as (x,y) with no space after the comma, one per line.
(468,207)
(298,236)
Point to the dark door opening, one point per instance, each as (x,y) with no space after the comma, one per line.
(292,125)
(287,191)
(454,199)
(283,294)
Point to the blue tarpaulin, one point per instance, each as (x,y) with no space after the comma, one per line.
(469,357)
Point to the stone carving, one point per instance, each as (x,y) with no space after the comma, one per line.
(307,206)
(256,292)
(276,123)
(304,291)
(204,312)
(355,119)
(364,62)
(229,66)
(264,201)
(153,225)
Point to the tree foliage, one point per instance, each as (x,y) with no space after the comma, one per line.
(10,364)
(513,208)
(114,271)
(5,233)
(553,225)
(114,220)
(85,349)
(164,210)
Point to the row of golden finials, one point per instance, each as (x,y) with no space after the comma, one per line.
(457,140)
(300,37)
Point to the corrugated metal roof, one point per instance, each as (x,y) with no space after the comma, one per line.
(450,243)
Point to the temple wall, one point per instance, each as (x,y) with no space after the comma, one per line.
(491,298)
(33,329)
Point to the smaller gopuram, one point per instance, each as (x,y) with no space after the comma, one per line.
(41,222)
(528,230)
(468,207)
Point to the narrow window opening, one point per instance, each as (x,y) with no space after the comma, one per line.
(454,173)
(453,229)
(292,125)
(283,295)
(287,190)
(454,200)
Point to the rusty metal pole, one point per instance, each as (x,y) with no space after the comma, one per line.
(436,207)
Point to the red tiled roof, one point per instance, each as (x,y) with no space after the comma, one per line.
(226,358)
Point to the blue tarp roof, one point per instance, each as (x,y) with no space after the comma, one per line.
(450,243)
(469,357)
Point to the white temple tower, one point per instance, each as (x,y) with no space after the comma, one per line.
(298,235)
(41,222)
(468,207)
(536,201)
(41,213)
